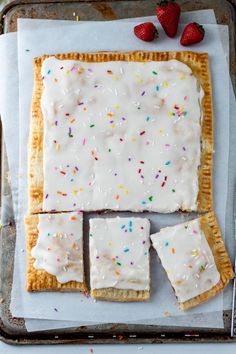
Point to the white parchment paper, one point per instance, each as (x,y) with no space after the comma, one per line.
(99,38)
(202,320)
(9,108)
(194,318)
(10,123)
(214,319)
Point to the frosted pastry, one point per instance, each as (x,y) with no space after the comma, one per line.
(194,258)
(121,131)
(55,252)
(119,259)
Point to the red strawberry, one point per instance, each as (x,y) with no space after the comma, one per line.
(168,13)
(193,33)
(146,31)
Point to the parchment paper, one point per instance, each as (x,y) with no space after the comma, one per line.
(176,323)
(207,320)
(9,108)
(99,38)
(214,320)
(10,123)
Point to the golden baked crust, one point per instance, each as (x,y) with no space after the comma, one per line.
(122,295)
(198,62)
(40,280)
(211,230)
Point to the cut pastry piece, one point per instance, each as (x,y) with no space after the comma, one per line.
(195,260)
(121,131)
(55,252)
(119,259)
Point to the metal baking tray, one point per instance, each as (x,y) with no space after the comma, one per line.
(12,330)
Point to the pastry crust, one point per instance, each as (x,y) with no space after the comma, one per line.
(212,233)
(40,280)
(122,295)
(198,62)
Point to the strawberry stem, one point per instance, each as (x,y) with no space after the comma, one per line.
(200,27)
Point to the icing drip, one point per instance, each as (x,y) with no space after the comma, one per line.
(59,248)
(120,136)
(119,253)
(187,258)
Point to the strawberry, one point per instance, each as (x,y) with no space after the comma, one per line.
(193,33)
(168,13)
(146,31)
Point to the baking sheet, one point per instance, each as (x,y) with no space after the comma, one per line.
(199,320)
(195,324)
(96,311)
(201,16)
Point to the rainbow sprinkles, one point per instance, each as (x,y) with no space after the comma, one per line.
(119,259)
(122,132)
(195,260)
(119,135)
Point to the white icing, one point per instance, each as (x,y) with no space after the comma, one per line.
(111,141)
(59,247)
(187,258)
(119,253)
